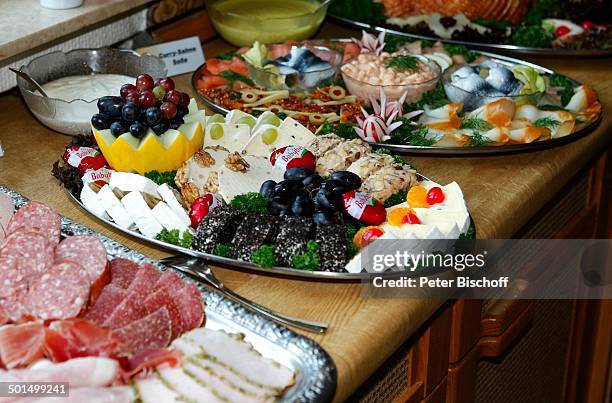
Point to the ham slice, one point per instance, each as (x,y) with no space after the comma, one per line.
(152,331)
(21,345)
(74,338)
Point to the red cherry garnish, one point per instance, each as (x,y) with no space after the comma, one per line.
(562,30)
(411,218)
(167,83)
(168,110)
(146,99)
(371,235)
(127,88)
(144,82)
(434,195)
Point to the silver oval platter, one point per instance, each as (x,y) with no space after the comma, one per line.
(315,372)
(434,142)
(494,47)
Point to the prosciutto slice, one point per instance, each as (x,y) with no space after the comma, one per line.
(21,345)
(73,338)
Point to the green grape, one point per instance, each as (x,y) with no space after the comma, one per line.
(247,120)
(159,92)
(269,135)
(216,118)
(271,120)
(216,131)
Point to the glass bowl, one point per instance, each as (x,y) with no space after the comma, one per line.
(302,81)
(472,100)
(242,22)
(366,91)
(73,116)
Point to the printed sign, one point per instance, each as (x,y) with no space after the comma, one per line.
(181,56)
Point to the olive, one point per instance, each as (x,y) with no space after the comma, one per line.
(267,188)
(325,200)
(297,173)
(350,180)
(323,218)
(335,187)
(302,206)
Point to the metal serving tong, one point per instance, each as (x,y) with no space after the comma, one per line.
(200,270)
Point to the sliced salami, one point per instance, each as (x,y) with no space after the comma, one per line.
(144,282)
(110,297)
(61,292)
(38,218)
(152,331)
(191,304)
(30,251)
(162,298)
(170,281)
(123,272)
(129,310)
(90,253)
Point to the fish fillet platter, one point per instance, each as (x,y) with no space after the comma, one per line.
(407,96)
(112,328)
(261,191)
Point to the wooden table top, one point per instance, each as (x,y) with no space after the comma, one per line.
(502,192)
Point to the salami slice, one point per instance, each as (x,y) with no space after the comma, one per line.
(162,298)
(123,272)
(170,281)
(144,282)
(30,251)
(152,331)
(60,293)
(191,304)
(90,253)
(129,310)
(110,297)
(38,218)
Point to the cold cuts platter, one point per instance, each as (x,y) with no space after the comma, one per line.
(81,311)
(408,96)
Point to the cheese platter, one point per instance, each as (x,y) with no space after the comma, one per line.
(545,27)
(259,193)
(448,99)
(122,327)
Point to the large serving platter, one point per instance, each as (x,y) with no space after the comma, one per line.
(443,150)
(242,265)
(315,370)
(495,47)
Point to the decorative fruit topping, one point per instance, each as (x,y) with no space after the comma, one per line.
(350,180)
(302,206)
(247,120)
(110,106)
(168,110)
(144,82)
(173,96)
(216,131)
(267,188)
(269,136)
(159,92)
(291,157)
(126,89)
(364,207)
(367,235)
(147,99)
(202,206)
(184,101)
(435,195)
(402,215)
(416,197)
(167,83)
(216,118)
(117,128)
(153,116)
(562,30)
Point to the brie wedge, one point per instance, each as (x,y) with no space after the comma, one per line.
(130,182)
(166,217)
(232,183)
(139,211)
(233,136)
(90,200)
(114,208)
(171,197)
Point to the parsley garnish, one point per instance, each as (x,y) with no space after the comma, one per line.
(547,122)
(162,177)
(358,10)
(402,63)
(351,248)
(476,124)
(222,249)
(308,260)
(396,158)
(264,256)
(251,202)
(434,99)
(468,55)
(410,134)
(549,107)
(175,237)
(469,234)
(396,198)
(343,130)
(232,77)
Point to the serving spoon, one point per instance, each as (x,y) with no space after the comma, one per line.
(197,268)
(30,80)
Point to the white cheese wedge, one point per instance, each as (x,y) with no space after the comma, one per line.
(139,211)
(90,200)
(164,215)
(171,197)
(234,136)
(130,182)
(267,118)
(293,129)
(236,114)
(114,208)
(232,183)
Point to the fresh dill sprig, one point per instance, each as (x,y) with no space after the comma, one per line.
(547,122)
(478,140)
(476,124)
(402,63)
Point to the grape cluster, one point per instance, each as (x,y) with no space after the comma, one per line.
(145,104)
(304,193)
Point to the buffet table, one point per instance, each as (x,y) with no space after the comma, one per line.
(502,192)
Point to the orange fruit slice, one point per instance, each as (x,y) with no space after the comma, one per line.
(417,197)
